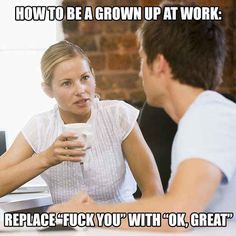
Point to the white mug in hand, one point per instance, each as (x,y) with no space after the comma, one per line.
(84,133)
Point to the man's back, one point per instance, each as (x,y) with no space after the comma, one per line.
(207,131)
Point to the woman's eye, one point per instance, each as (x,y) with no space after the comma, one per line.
(85,77)
(66,83)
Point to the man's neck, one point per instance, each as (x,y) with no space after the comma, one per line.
(179,99)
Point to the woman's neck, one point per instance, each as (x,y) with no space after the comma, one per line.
(69,117)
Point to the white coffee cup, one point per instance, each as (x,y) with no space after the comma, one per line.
(83,130)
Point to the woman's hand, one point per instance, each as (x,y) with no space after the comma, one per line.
(65,148)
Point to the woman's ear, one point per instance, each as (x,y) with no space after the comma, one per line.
(47,89)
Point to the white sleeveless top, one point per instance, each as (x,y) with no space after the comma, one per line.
(107,175)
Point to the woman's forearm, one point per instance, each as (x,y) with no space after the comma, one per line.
(16,175)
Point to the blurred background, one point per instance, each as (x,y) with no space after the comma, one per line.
(111,46)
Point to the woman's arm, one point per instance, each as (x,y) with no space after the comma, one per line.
(19,164)
(142,163)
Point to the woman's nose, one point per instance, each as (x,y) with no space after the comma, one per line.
(79,88)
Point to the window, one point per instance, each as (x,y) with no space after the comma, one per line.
(22,44)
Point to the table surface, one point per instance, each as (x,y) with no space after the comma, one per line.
(20,201)
(21,196)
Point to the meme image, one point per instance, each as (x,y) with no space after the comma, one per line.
(118,117)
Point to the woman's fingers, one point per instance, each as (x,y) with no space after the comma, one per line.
(71,144)
(67,135)
(66,147)
(70,152)
(69,158)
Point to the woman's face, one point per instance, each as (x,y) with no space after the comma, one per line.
(73,87)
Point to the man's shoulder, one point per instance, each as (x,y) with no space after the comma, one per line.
(212,98)
(211,105)
(210,113)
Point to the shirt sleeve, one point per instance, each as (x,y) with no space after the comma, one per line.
(210,136)
(31,133)
(126,118)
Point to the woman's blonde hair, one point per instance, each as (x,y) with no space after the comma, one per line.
(58,53)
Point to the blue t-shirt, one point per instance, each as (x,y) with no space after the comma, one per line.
(208,131)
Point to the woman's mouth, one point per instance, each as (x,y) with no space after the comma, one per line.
(82,102)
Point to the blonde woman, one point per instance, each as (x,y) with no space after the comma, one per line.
(43,148)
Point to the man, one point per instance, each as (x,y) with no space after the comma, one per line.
(181,62)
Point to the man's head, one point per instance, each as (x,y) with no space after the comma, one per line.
(194,50)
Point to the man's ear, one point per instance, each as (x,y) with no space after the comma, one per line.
(160,64)
(47,89)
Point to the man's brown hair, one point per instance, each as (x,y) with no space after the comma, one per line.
(194,49)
